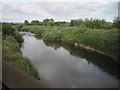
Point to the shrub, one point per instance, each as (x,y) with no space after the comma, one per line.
(18,36)
(7,29)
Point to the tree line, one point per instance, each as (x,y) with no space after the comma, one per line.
(46,22)
(88,23)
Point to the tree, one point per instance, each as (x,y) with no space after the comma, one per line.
(35,22)
(59,23)
(77,22)
(48,22)
(72,22)
(26,22)
(116,22)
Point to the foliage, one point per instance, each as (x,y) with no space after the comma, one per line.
(96,33)
(60,23)
(26,22)
(12,55)
(35,22)
(11,49)
(91,23)
(87,23)
(105,40)
(53,35)
(17,36)
(76,22)
(48,22)
(7,28)
(17,27)
(116,22)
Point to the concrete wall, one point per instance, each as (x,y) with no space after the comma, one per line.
(14,78)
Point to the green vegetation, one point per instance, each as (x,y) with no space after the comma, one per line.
(105,40)
(17,36)
(87,23)
(93,34)
(26,22)
(91,23)
(11,51)
(116,22)
(7,29)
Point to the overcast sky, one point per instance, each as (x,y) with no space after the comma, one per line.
(61,10)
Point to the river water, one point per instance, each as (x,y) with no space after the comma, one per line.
(64,66)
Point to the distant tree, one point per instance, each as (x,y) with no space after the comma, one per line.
(52,20)
(26,22)
(35,22)
(77,22)
(116,22)
(48,22)
(72,22)
(108,25)
(60,23)
(95,23)
(91,23)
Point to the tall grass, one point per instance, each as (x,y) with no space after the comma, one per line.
(105,40)
(11,54)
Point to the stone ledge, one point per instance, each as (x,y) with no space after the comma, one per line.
(14,78)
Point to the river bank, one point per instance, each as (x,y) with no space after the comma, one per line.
(97,40)
(15,78)
(97,51)
(63,66)
(12,55)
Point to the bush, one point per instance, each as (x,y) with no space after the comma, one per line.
(48,36)
(7,29)
(18,36)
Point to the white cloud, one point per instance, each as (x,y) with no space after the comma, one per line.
(18,11)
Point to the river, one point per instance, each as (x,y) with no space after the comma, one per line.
(64,66)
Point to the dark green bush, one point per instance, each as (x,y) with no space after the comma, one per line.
(18,36)
(7,29)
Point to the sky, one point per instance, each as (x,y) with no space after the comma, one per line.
(59,10)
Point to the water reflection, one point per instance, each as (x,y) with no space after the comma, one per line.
(105,63)
(61,65)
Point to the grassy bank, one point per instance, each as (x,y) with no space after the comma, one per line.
(11,54)
(101,40)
